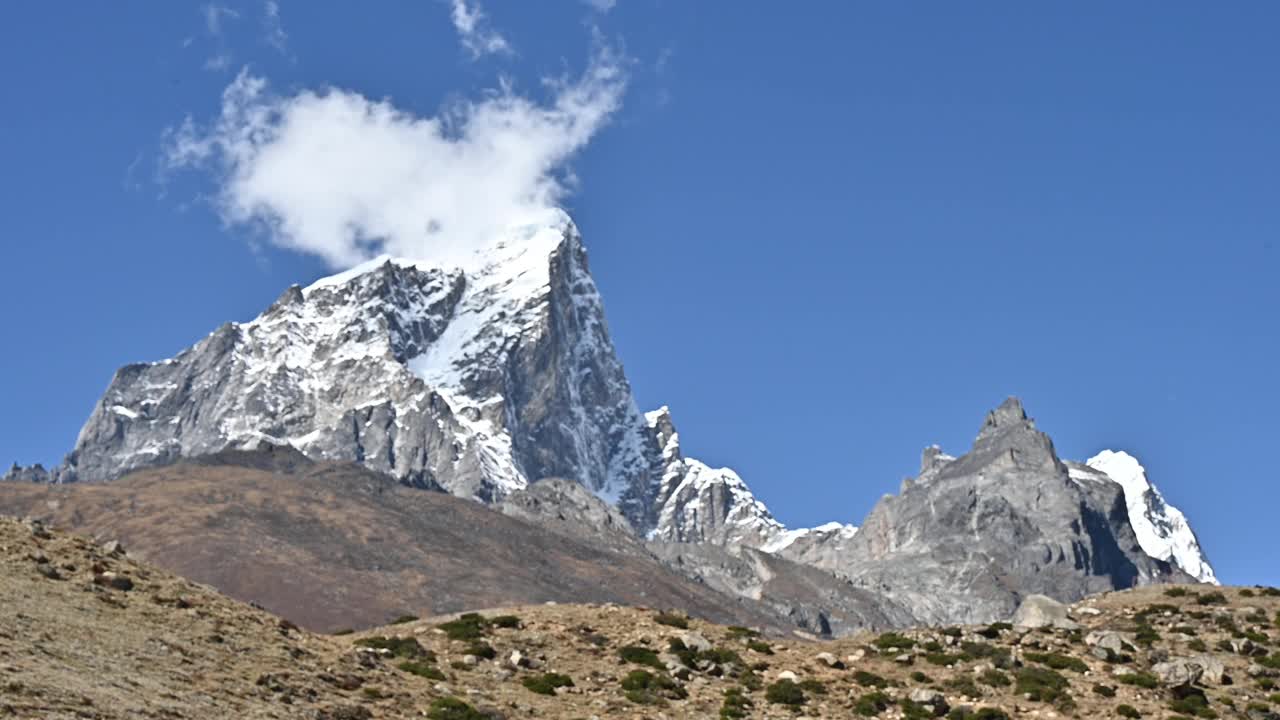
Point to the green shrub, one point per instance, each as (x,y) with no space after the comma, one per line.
(1105,691)
(932,646)
(872,703)
(1000,657)
(640,656)
(891,640)
(815,687)
(373,693)
(759,646)
(505,621)
(916,711)
(1197,645)
(993,630)
(784,692)
(1043,685)
(869,679)
(735,704)
(404,619)
(994,678)
(645,688)
(737,631)
(1271,592)
(1058,661)
(964,685)
(952,632)
(1176,592)
(482,650)
(546,683)
(401,647)
(448,708)
(1128,711)
(1145,635)
(470,626)
(941,658)
(672,620)
(1211,598)
(921,677)
(1246,593)
(986,713)
(1191,701)
(421,669)
(1270,661)
(1140,679)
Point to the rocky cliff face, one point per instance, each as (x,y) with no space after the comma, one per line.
(972,535)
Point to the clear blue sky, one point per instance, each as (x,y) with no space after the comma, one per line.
(828,234)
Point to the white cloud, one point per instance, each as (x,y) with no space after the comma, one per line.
(602,5)
(473,30)
(344,177)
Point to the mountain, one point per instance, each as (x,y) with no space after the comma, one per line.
(971,536)
(92,631)
(1162,529)
(486,375)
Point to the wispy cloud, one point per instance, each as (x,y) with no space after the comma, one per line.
(216,15)
(474,31)
(344,177)
(601,5)
(276,37)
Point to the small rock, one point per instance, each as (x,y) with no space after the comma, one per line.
(925,696)
(787,675)
(113,581)
(1121,671)
(1107,639)
(827,659)
(903,659)
(48,571)
(518,659)
(470,660)
(113,548)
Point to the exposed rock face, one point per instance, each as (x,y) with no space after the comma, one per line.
(700,504)
(476,378)
(973,535)
(1038,611)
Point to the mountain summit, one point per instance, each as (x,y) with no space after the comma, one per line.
(483,374)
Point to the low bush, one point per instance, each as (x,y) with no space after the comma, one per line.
(872,704)
(1211,598)
(1192,701)
(994,678)
(1058,661)
(1128,711)
(546,683)
(892,640)
(964,685)
(640,656)
(993,630)
(785,692)
(736,704)
(1175,592)
(760,646)
(921,677)
(401,647)
(505,621)
(482,650)
(1044,685)
(737,631)
(1105,691)
(645,688)
(469,626)
(421,669)
(404,619)
(1143,680)
(449,708)
(672,620)
(869,679)
(815,687)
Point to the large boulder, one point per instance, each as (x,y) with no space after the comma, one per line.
(1037,611)
(1178,672)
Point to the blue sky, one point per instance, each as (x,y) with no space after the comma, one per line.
(828,234)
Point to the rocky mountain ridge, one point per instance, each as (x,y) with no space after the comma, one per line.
(484,376)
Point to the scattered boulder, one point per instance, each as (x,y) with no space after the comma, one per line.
(827,659)
(1178,672)
(1214,670)
(788,675)
(694,641)
(113,581)
(1037,611)
(1106,639)
(113,548)
(931,698)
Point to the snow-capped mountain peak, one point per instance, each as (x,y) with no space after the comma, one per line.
(1162,529)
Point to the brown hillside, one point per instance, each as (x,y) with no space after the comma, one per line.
(332,545)
(88,632)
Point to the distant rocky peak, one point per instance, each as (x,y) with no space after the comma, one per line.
(1009,437)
